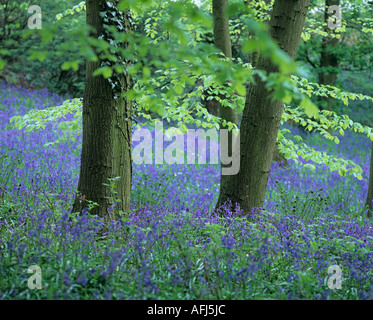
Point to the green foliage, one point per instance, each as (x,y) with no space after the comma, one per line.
(76,9)
(181,77)
(34,58)
(316,89)
(354,48)
(37,119)
(294,151)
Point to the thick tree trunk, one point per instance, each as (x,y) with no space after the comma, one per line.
(262,116)
(369,199)
(328,72)
(253,58)
(106,147)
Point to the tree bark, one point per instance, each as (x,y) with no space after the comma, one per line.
(222,41)
(369,199)
(106,146)
(262,115)
(277,156)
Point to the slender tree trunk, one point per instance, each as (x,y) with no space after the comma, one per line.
(262,115)
(222,41)
(106,147)
(328,72)
(369,199)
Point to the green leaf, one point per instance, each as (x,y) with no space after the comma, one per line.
(310,108)
(287,99)
(36,54)
(106,72)
(70,65)
(178,89)
(241,90)
(2,64)
(146,72)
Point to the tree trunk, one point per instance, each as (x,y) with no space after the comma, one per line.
(262,115)
(369,199)
(328,72)
(222,41)
(253,58)
(106,147)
